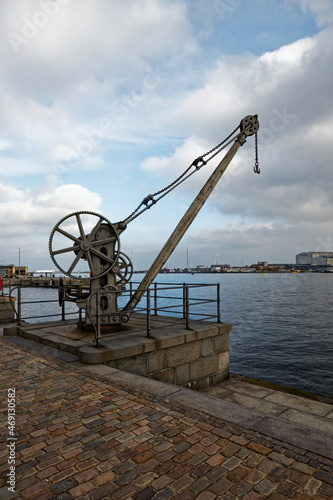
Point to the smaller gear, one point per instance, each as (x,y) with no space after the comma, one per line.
(123,269)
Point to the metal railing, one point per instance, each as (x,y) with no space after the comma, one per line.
(18,315)
(157,301)
(170,300)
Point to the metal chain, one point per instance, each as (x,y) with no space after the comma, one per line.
(256,168)
(197,163)
(174,182)
(225,140)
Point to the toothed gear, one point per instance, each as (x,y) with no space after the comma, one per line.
(123,269)
(85,245)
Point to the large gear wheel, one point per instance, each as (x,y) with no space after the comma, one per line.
(93,235)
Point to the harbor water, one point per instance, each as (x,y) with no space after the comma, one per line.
(282,323)
(282,326)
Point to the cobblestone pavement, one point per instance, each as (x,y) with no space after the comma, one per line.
(78,436)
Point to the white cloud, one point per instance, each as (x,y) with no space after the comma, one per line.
(83,67)
(37,210)
(322,9)
(294,145)
(27,217)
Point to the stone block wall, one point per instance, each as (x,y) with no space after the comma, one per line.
(6,310)
(195,359)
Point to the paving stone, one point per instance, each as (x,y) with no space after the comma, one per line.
(180,470)
(221,486)
(231,463)
(237,474)
(324,476)
(240,488)
(263,450)
(215,460)
(298,478)
(281,459)
(230,496)
(200,485)
(182,483)
(265,487)
(206,495)
(230,450)
(197,459)
(327,489)
(88,436)
(144,494)
(216,473)
(255,477)
(252,495)
(64,474)
(65,485)
(163,495)
(201,470)
(278,474)
(102,478)
(102,491)
(287,488)
(243,453)
(81,489)
(161,482)
(253,460)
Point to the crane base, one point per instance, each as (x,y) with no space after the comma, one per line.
(111,328)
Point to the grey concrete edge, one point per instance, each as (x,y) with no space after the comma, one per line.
(135,381)
(298,435)
(44,349)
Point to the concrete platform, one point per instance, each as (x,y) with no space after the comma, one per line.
(196,357)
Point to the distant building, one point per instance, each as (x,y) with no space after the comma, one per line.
(9,271)
(219,268)
(319,259)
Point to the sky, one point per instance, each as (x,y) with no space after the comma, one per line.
(106,101)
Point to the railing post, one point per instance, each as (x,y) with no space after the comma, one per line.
(218,302)
(148,313)
(19,305)
(187,308)
(80,317)
(184,301)
(98,325)
(63,312)
(155,299)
